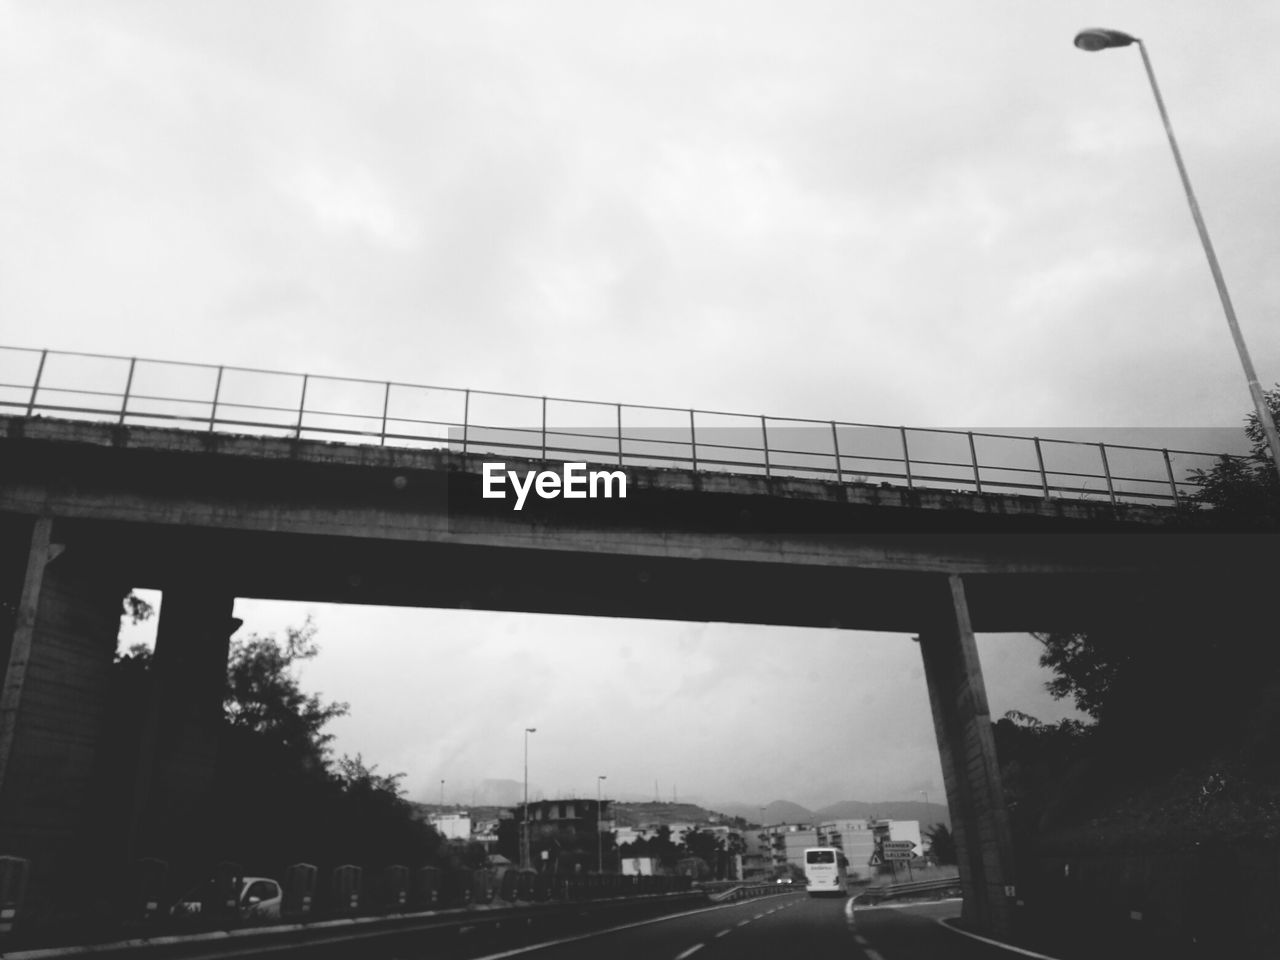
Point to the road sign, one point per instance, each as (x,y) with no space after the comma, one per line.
(900,855)
(897,845)
(875,860)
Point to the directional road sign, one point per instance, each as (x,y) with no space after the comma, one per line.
(900,855)
(897,845)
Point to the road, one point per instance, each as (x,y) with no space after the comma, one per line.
(788,926)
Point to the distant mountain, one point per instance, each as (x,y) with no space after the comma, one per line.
(928,814)
(783,811)
(638,814)
(779,811)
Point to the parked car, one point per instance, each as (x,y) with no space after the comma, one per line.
(259,898)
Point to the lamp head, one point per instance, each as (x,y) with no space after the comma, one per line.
(1099,38)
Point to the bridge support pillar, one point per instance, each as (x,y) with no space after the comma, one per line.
(966,745)
(179,742)
(53,706)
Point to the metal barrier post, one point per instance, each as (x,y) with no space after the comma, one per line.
(224,897)
(302,405)
(835,446)
(1173,486)
(1106,468)
(1044,477)
(426,887)
(619,406)
(217,392)
(299,889)
(13,884)
(764,436)
(128,385)
(150,875)
(466,417)
(973,456)
(35,387)
(544,428)
(395,887)
(386,404)
(345,887)
(693,442)
(906,458)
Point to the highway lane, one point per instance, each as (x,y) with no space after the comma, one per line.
(791,926)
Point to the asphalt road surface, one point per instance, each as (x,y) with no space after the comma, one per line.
(788,926)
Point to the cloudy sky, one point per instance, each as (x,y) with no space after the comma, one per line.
(937,213)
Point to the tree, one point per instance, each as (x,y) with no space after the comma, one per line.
(264,697)
(707,847)
(1085,665)
(1248,486)
(942,845)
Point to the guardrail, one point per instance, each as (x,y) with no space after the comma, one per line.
(893,890)
(746,891)
(199,396)
(483,926)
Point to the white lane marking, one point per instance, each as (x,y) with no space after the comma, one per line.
(994,943)
(599,933)
(726,931)
(848,911)
(742,923)
(905,906)
(758,916)
(690,952)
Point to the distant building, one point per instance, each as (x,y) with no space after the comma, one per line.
(855,839)
(564,835)
(451,826)
(787,843)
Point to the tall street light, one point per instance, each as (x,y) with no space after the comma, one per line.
(1097,38)
(599,826)
(441,797)
(524,840)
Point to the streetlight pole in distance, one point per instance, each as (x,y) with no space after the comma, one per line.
(1099,38)
(524,820)
(599,826)
(441,797)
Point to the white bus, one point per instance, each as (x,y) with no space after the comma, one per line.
(826,871)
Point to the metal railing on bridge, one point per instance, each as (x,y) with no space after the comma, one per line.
(243,400)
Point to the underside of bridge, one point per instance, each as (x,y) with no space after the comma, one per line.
(89,511)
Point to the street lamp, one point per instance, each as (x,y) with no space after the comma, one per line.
(1097,38)
(599,826)
(442,797)
(524,841)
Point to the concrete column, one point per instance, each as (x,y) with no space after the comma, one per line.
(966,744)
(52,708)
(179,745)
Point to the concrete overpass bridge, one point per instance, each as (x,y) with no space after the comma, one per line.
(207,497)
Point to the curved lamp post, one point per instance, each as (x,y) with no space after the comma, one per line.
(1098,38)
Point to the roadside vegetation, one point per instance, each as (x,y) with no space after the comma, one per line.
(1182,741)
(279,796)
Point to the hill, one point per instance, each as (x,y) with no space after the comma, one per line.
(927,813)
(783,811)
(779,811)
(649,812)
